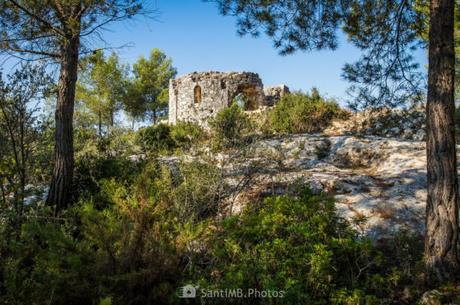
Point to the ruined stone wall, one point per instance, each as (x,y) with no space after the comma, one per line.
(197,97)
(274,93)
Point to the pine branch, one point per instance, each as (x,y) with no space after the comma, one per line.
(38,18)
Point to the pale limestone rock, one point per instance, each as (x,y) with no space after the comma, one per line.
(379,181)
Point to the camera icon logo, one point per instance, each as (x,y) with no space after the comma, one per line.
(187,291)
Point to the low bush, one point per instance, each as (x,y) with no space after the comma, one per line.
(299,113)
(47,264)
(230,126)
(135,243)
(296,245)
(92,170)
(156,138)
(198,190)
(142,240)
(164,138)
(130,249)
(185,134)
(118,141)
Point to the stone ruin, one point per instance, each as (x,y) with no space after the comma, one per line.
(274,94)
(198,96)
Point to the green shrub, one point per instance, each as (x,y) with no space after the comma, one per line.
(164,138)
(229,126)
(156,138)
(185,134)
(295,244)
(198,190)
(117,142)
(122,142)
(299,112)
(47,264)
(135,243)
(131,248)
(141,247)
(92,170)
(140,240)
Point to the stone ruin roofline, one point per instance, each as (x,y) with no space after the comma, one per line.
(216,73)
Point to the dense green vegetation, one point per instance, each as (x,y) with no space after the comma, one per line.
(230,126)
(298,245)
(143,232)
(298,112)
(164,138)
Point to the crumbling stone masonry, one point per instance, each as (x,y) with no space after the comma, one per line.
(197,97)
(274,94)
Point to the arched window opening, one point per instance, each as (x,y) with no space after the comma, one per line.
(197,94)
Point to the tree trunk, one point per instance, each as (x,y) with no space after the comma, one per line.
(154,117)
(441,257)
(100,123)
(112,119)
(60,192)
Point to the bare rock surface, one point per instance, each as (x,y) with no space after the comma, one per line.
(378,183)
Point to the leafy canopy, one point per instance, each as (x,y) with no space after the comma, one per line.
(41,28)
(386,31)
(101,86)
(148,92)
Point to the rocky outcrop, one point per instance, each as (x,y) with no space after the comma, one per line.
(378,183)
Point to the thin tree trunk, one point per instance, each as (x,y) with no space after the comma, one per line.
(2,188)
(112,120)
(441,238)
(60,194)
(23,165)
(100,123)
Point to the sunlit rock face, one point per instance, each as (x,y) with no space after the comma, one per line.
(379,184)
(198,96)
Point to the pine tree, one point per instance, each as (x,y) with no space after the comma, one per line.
(57,31)
(148,92)
(102,87)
